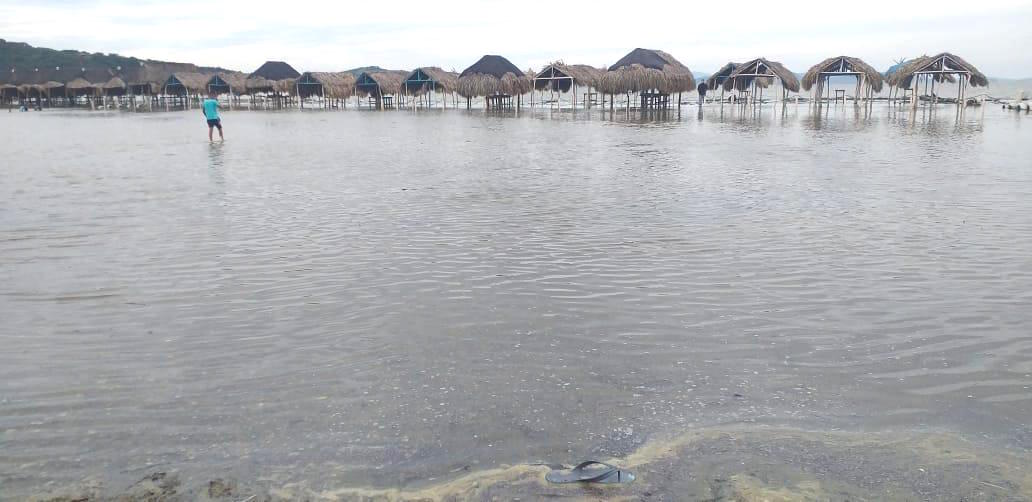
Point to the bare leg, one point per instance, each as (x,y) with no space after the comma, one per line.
(221,137)
(209,133)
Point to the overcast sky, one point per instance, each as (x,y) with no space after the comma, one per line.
(995,35)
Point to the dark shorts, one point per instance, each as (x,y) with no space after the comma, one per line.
(215,123)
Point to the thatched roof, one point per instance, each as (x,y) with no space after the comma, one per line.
(80,86)
(114,83)
(262,84)
(192,82)
(415,83)
(230,81)
(646,69)
(380,83)
(558,76)
(78,83)
(904,75)
(493,75)
(274,70)
(840,64)
(718,77)
(335,85)
(745,73)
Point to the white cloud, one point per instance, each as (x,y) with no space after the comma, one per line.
(405,33)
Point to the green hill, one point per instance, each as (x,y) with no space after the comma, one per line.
(25,58)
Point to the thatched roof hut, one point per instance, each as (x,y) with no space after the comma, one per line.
(149,78)
(561,77)
(647,70)
(186,83)
(423,80)
(79,86)
(115,86)
(275,70)
(329,85)
(379,83)
(493,76)
(8,91)
(940,67)
(762,71)
(228,82)
(273,76)
(843,65)
(718,77)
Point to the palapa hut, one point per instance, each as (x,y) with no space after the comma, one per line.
(428,80)
(8,92)
(232,83)
(115,86)
(818,78)
(148,79)
(274,78)
(182,85)
(380,86)
(653,74)
(718,78)
(559,77)
(944,67)
(334,88)
(496,79)
(757,74)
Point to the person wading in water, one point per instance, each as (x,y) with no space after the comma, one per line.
(702,88)
(211,113)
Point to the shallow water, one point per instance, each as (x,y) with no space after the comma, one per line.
(362,299)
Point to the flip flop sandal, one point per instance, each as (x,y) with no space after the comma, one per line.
(606,474)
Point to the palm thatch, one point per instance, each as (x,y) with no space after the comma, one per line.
(79,86)
(493,76)
(275,70)
(422,80)
(186,83)
(559,76)
(762,71)
(380,83)
(843,64)
(272,77)
(645,70)
(903,76)
(114,84)
(718,78)
(330,85)
(227,82)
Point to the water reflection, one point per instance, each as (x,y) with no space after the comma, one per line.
(384,298)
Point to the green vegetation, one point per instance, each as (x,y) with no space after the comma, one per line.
(24,56)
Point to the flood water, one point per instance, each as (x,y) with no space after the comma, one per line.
(395,299)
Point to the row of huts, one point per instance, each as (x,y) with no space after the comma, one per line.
(651,76)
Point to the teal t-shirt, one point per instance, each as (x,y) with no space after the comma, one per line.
(211,109)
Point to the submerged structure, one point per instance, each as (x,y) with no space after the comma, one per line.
(495,79)
(818,78)
(332,88)
(428,81)
(717,79)
(272,83)
(653,74)
(749,79)
(559,78)
(929,70)
(380,87)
